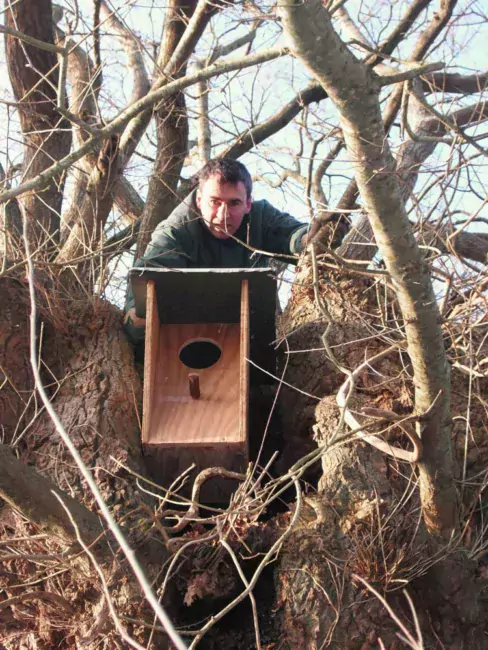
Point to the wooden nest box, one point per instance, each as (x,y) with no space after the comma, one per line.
(202,327)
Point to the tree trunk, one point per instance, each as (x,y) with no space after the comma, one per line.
(89,369)
(47,136)
(16,404)
(171,130)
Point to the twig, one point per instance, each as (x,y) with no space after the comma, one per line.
(415,644)
(38,595)
(407,75)
(251,595)
(119,122)
(192,512)
(87,475)
(341,399)
(267,558)
(120,629)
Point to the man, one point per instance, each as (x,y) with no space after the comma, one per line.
(220,226)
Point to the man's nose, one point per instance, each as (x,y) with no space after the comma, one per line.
(222,212)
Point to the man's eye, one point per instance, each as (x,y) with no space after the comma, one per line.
(214,202)
(236,202)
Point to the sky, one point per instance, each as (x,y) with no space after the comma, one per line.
(240,101)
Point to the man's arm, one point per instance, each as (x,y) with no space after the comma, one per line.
(283,233)
(166,250)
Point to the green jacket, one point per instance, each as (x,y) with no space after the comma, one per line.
(184,241)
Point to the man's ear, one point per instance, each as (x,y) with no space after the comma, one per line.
(248,204)
(199,199)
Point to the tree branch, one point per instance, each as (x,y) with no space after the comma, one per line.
(42,45)
(132,48)
(184,25)
(176,48)
(424,42)
(119,122)
(204,136)
(34,496)
(251,138)
(355,92)
(427,132)
(246,39)
(445,82)
(411,73)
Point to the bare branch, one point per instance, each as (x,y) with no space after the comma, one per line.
(445,82)
(128,200)
(85,232)
(427,133)
(42,45)
(203,124)
(355,91)
(423,43)
(412,12)
(412,73)
(249,139)
(171,117)
(132,47)
(246,39)
(34,496)
(176,48)
(118,123)
(84,471)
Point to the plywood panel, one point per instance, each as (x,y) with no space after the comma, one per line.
(244,363)
(150,358)
(213,419)
(213,296)
(165,464)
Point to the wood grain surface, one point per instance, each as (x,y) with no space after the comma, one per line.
(150,359)
(244,364)
(176,418)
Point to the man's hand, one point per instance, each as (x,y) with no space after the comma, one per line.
(131,318)
(312,231)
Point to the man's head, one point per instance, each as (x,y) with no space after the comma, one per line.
(224,196)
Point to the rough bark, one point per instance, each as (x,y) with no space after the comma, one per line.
(34,76)
(10,225)
(16,405)
(360,522)
(34,496)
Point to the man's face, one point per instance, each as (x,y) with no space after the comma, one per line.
(223,206)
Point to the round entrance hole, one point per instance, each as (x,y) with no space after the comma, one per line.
(200,354)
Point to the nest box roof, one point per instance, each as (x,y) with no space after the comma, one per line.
(213,296)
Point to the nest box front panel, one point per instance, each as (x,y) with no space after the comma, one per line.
(196,391)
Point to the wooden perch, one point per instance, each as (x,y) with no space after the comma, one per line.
(194,385)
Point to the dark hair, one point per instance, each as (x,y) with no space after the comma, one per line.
(229,171)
